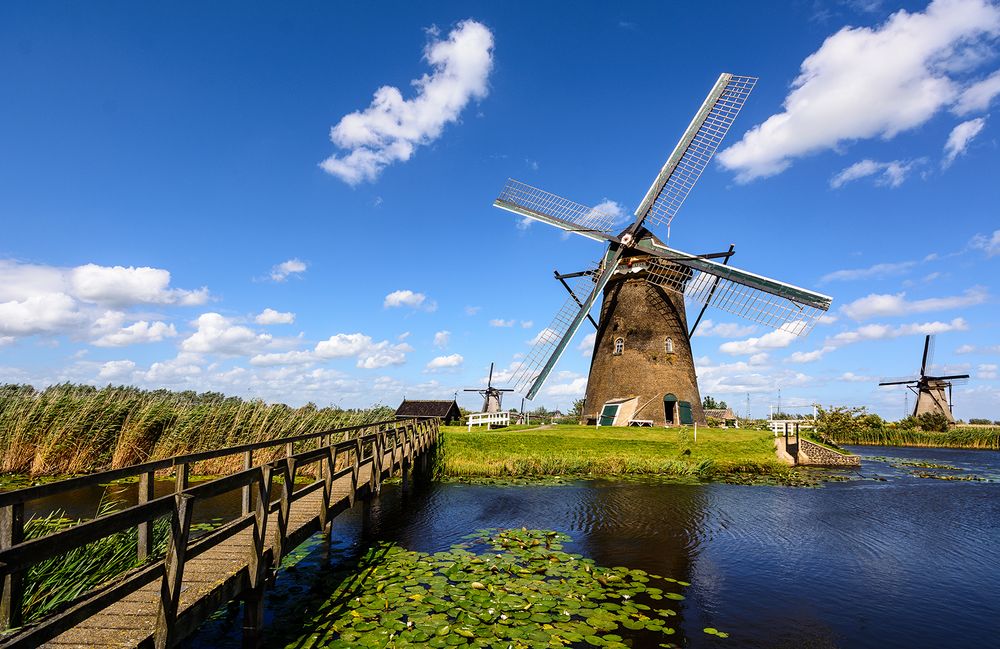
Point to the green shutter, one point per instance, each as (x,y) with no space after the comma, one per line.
(685,407)
(608,414)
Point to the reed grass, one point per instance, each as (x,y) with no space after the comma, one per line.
(586,450)
(68,428)
(957,437)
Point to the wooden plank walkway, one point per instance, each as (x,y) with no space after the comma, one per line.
(224,569)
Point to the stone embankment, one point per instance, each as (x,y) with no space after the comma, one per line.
(807,453)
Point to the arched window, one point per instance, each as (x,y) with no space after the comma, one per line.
(619,346)
(669,344)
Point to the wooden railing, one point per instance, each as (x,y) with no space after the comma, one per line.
(337,454)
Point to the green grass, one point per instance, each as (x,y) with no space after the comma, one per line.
(589,451)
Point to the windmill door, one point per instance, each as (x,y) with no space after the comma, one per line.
(608,415)
(684,409)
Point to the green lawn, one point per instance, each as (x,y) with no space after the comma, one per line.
(586,450)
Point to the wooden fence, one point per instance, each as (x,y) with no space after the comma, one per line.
(349,463)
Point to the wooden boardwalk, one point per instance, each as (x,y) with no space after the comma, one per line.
(163,602)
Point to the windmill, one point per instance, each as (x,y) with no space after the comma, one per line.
(930,390)
(491,396)
(642,370)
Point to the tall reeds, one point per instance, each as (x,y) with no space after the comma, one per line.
(957,437)
(71,428)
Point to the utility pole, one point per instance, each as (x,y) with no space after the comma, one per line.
(779,402)
(748,407)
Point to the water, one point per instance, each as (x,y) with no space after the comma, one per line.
(891,560)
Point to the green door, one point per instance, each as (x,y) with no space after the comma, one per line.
(608,415)
(685,412)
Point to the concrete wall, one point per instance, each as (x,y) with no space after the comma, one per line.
(811,454)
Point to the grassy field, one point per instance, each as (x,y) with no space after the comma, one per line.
(585,450)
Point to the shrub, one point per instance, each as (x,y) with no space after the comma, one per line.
(933,421)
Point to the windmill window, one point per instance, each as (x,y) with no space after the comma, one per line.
(619,346)
(669,345)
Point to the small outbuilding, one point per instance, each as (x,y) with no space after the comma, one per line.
(446,411)
(726,416)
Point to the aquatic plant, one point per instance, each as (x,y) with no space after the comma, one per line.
(71,428)
(504,588)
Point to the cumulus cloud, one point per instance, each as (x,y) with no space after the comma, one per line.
(986,371)
(270,316)
(883,331)
(499,322)
(876,305)
(292,357)
(878,271)
(959,139)
(451,361)
(972,349)
(40,314)
(546,335)
(284,270)
(369,354)
(587,343)
(119,335)
(777,339)
(408,298)
(977,97)
(723,329)
(181,369)
(392,127)
(217,334)
(810,357)
(116,371)
(442,339)
(121,286)
(868,82)
(567,384)
(990,244)
(887,174)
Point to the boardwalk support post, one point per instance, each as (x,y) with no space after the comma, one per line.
(11,583)
(173,574)
(245,495)
(253,600)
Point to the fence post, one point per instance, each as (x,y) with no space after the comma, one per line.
(327,467)
(12,584)
(245,496)
(145,528)
(183,477)
(284,508)
(253,600)
(173,573)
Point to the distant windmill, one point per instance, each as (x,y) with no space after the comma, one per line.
(642,369)
(491,396)
(930,390)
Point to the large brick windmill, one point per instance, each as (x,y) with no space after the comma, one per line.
(642,369)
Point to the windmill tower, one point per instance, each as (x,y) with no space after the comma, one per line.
(491,396)
(933,392)
(642,369)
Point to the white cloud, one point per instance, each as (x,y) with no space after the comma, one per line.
(527,324)
(445,362)
(293,357)
(408,298)
(472,310)
(546,335)
(270,316)
(959,139)
(498,322)
(135,333)
(869,82)
(888,174)
(876,304)
(986,371)
(116,371)
(281,272)
(810,357)
(987,243)
(851,377)
(217,334)
(723,329)
(567,384)
(978,96)
(369,354)
(6,340)
(181,369)
(122,286)
(391,128)
(587,343)
(776,339)
(442,339)
(882,331)
(40,314)
(878,271)
(972,349)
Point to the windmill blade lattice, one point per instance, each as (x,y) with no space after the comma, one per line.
(548,339)
(540,205)
(716,290)
(695,150)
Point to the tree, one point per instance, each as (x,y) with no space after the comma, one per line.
(577,410)
(709,403)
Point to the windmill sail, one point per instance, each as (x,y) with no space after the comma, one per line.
(694,150)
(552,341)
(592,222)
(754,297)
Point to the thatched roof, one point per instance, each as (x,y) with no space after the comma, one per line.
(720,413)
(428,409)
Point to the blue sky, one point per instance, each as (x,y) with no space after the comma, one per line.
(221,197)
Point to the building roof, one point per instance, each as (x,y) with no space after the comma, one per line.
(419,408)
(720,413)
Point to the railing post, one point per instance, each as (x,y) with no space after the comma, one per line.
(327,467)
(183,477)
(145,529)
(355,471)
(173,573)
(253,601)
(12,584)
(284,509)
(245,496)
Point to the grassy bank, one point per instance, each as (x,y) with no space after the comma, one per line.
(585,450)
(957,437)
(80,429)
